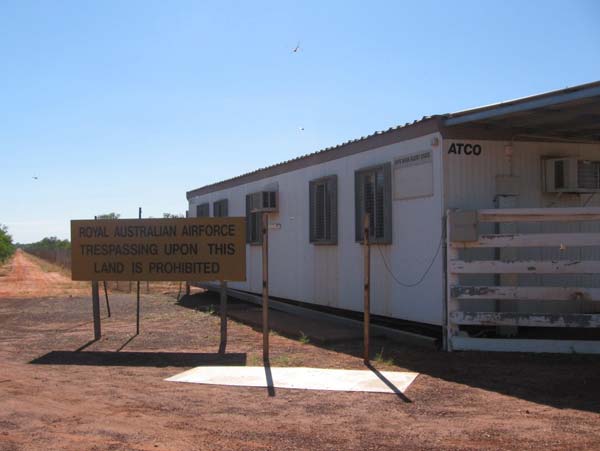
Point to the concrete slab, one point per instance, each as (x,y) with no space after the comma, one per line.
(300,378)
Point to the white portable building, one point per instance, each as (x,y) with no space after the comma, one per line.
(468,211)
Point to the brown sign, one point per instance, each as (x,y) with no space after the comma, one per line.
(192,249)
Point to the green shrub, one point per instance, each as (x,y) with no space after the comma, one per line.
(7,248)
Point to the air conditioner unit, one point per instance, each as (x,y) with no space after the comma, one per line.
(264,201)
(571,175)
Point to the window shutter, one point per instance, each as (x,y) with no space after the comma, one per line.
(358,205)
(333,195)
(387,203)
(225,207)
(311,209)
(220,208)
(248,219)
(258,227)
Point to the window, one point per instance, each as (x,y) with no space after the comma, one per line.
(220,208)
(373,189)
(559,174)
(202,210)
(323,210)
(253,223)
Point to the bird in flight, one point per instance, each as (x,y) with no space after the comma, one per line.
(34,177)
(297,48)
(301,129)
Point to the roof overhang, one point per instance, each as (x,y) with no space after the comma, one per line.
(571,114)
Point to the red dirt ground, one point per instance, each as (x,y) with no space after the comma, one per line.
(60,391)
(28,276)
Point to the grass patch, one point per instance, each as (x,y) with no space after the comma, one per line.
(304,338)
(380,358)
(279,360)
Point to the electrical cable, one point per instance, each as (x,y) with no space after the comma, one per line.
(418,282)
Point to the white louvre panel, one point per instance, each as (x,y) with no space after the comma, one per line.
(588,175)
(571,175)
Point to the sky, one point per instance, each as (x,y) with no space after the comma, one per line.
(116,105)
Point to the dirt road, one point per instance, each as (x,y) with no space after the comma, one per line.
(27,276)
(59,390)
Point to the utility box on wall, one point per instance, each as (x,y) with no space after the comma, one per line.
(464,226)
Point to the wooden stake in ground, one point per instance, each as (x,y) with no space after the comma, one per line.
(223,312)
(367,288)
(137,321)
(106,295)
(265,288)
(96,310)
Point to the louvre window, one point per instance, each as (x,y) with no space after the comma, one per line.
(373,195)
(253,223)
(220,208)
(323,210)
(202,210)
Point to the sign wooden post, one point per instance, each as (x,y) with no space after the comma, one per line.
(223,311)
(265,287)
(106,296)
(137,318)
(367,290)
(96,309)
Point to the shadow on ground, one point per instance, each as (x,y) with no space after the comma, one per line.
(149,359)
(558,380)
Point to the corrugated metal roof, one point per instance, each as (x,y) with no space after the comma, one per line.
(268,170)
(428,124)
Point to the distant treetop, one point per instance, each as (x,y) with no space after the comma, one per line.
(109,216)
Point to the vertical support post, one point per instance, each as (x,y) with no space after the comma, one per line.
(137,318)
(265,287)
(187,289)
(96,310)
(106,296)
(367,290)
(507,254)
(223,311)
(451,281)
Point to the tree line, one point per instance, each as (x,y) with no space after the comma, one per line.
(7,247)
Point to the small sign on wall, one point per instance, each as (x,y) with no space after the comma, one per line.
(413,176)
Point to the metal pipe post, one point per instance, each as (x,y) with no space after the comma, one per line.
(367,290)
(265,290)
(223,312)
(96,310)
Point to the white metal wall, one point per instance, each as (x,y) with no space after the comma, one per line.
(333,275)
(470,183)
